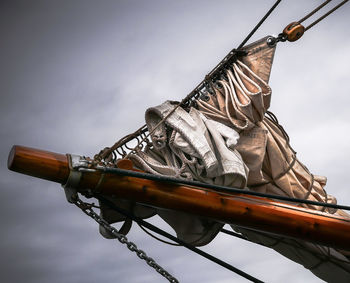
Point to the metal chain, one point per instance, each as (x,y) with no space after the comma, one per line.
(87,209)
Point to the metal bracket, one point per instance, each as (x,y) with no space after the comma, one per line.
(273,40)
(76,163)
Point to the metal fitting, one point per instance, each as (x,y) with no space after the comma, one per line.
(76,163)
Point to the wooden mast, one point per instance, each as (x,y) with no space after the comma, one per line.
(238,209)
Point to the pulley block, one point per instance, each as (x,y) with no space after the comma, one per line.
(293,31)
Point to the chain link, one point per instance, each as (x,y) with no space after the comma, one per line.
(87,209)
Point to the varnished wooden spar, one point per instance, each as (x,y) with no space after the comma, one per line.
(39,163)
(246,211)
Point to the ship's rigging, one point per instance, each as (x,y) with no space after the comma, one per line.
(198,92)
(291,33)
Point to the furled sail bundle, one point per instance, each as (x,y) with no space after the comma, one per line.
(228,137)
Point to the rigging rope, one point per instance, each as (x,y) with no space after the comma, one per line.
(234,234)
(314,11)
(209,78)
(325,15)
(217,188)
(295,30)
(240,236)
(175,239)
(259,24)
(228,58)
(231,55)
(155,237)
(295,244)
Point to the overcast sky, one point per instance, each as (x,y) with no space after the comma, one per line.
(75,76)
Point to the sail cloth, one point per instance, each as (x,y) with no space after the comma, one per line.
(240,101)
(191,146)
(229,140)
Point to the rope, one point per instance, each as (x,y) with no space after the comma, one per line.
(258,24)
(314,11)
(325,15)
(234,234)
(157,238)
(173,238)
(188,97)
(217,188)
(295,245)
(231,55)
(214,72)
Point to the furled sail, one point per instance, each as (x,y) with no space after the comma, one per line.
(228,137)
